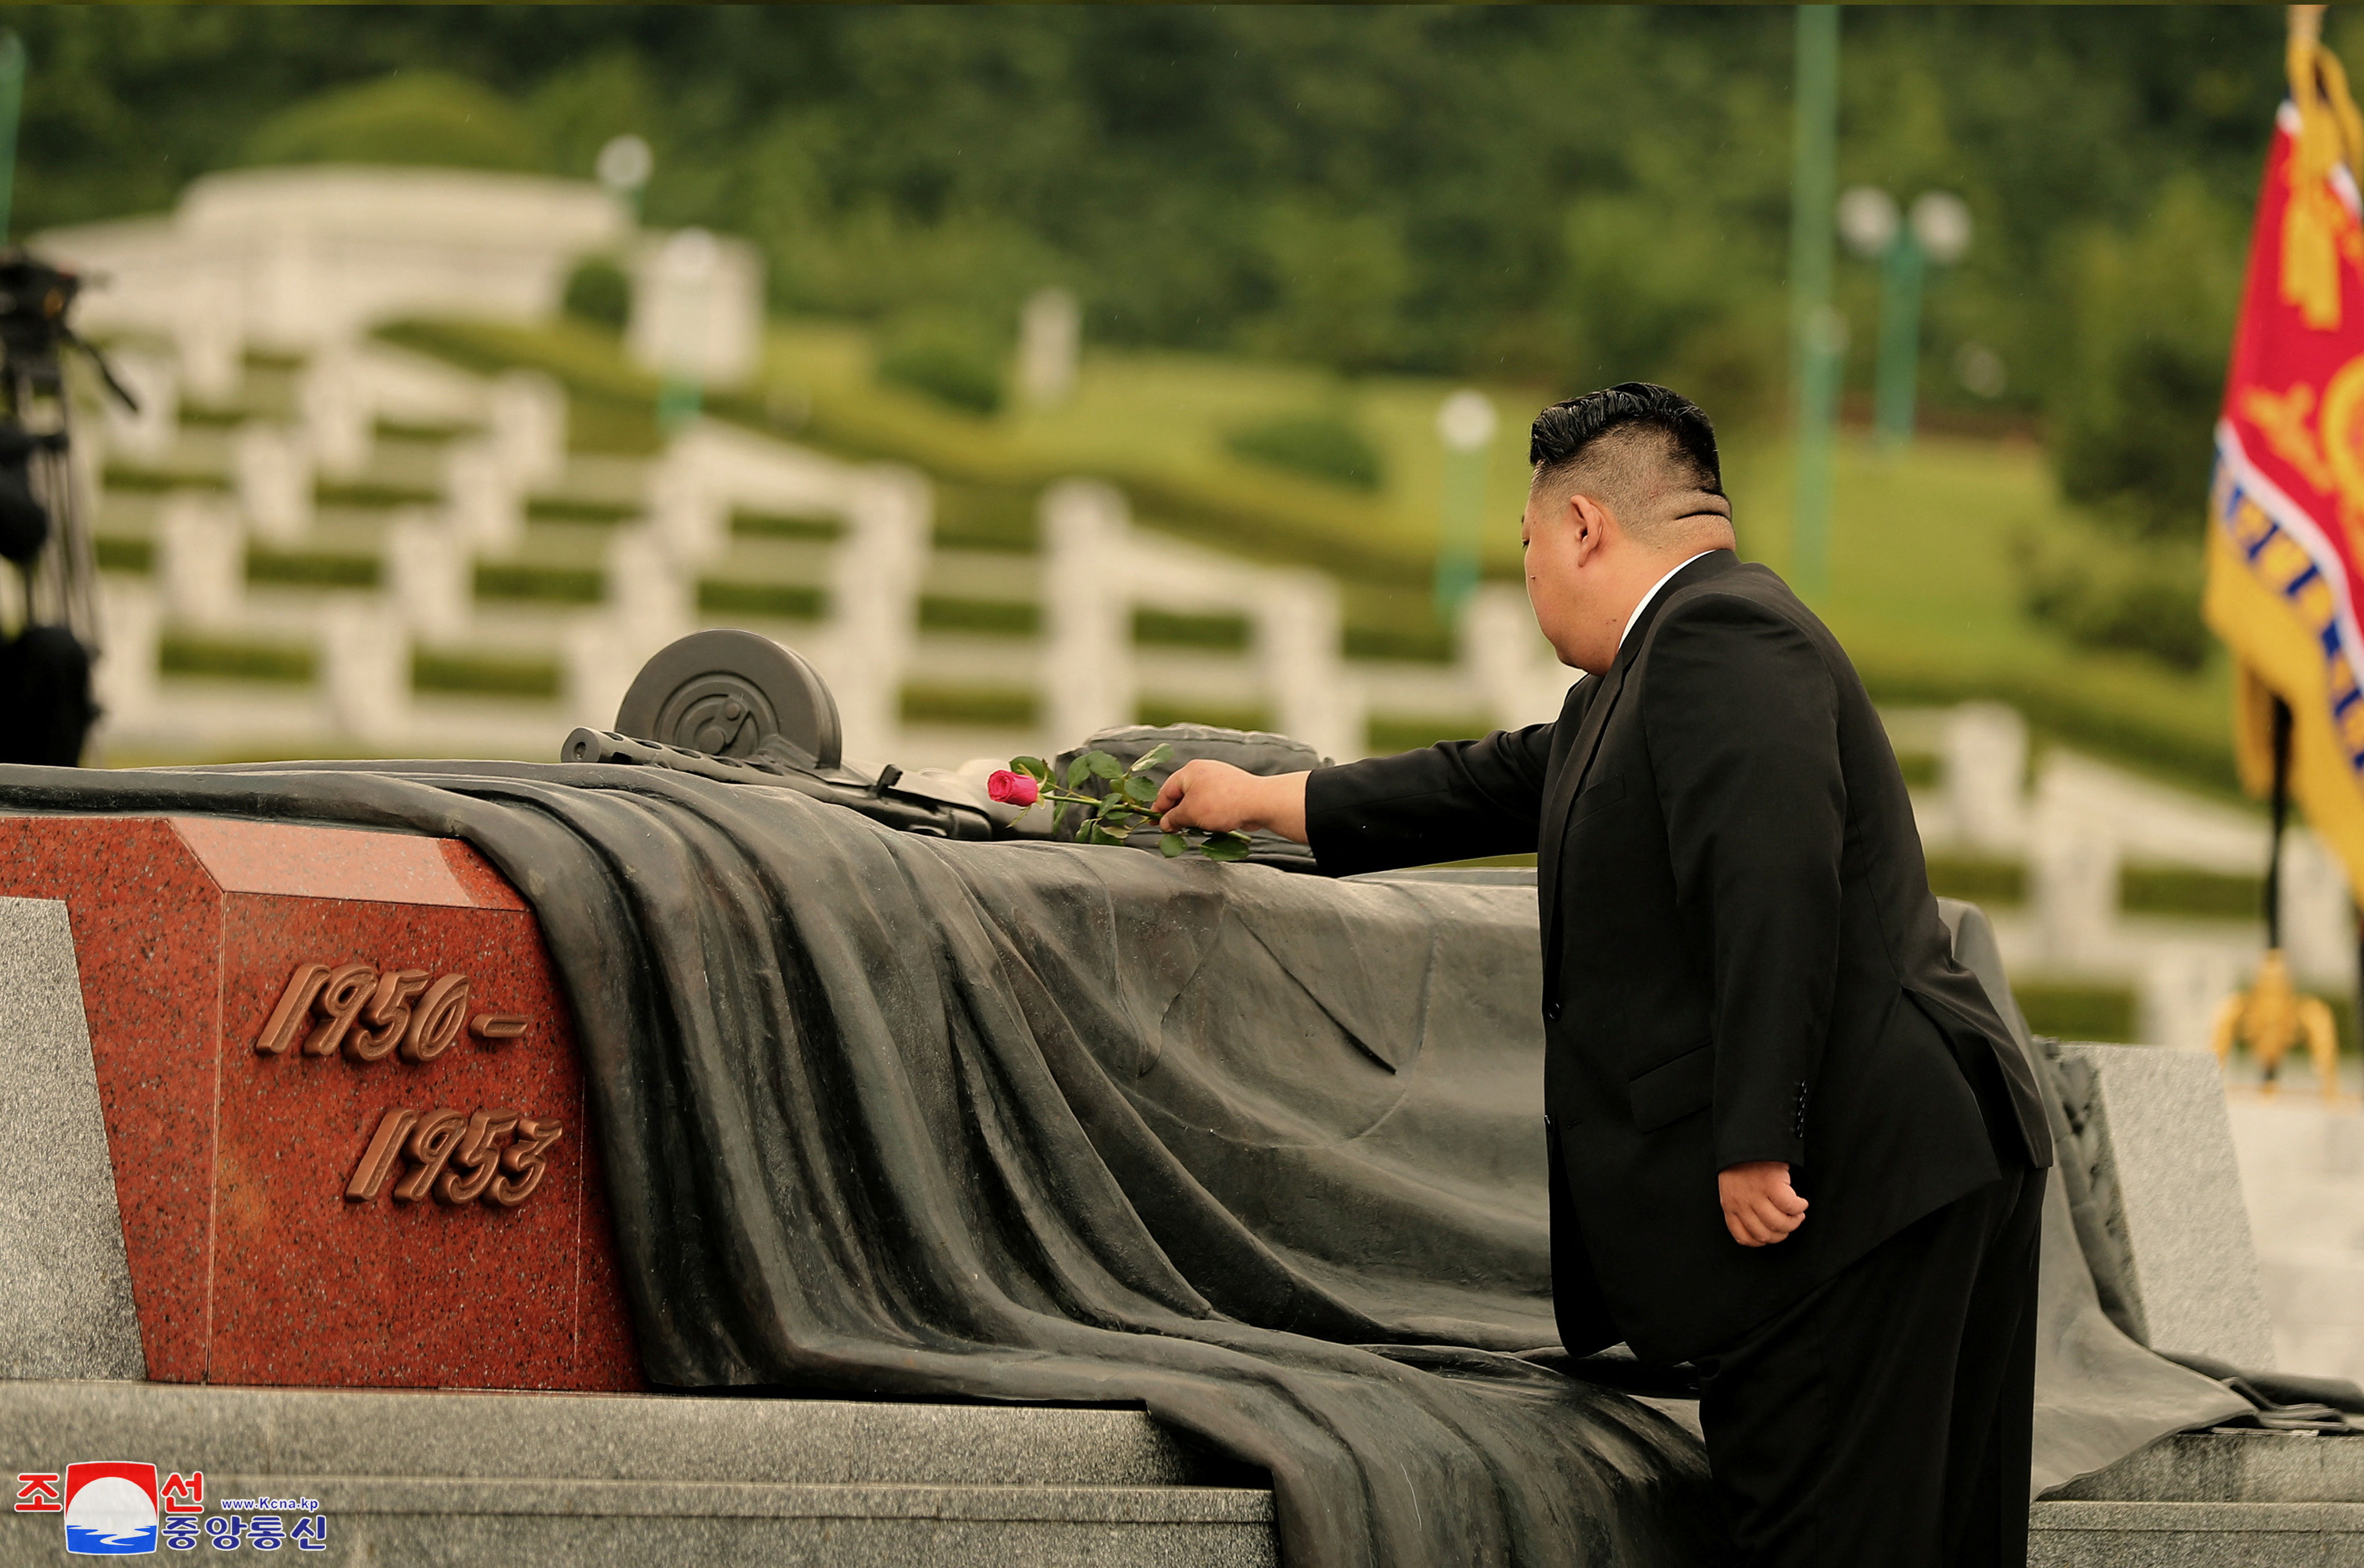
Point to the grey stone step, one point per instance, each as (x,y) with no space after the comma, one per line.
(2221,1499)
(602,1437)
(2230,1467)
(2196,1535)
(429,1477)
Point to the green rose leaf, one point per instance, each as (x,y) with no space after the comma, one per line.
(1151,757)
(1171,844)
(1139,790)
(1103,764)
(1225,846)
(1034,768)
(1079,770)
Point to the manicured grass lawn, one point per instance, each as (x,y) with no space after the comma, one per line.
(1167,414)
(1922,593)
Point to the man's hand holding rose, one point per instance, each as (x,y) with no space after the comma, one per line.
(1221,798)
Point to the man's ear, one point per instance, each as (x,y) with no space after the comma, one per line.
(1591,521)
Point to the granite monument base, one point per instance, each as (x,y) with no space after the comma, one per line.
(2167,1142)
(315,1091)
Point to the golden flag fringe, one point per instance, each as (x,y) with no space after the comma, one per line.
(2315,233)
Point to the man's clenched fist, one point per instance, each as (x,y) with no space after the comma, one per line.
(1760,1207)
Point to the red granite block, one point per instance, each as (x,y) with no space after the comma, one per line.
(147,924)
(249,1262)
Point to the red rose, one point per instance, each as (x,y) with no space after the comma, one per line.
(1013,789)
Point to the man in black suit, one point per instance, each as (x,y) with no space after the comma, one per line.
(1790,1142)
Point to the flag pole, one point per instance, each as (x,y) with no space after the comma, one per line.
(2280,805)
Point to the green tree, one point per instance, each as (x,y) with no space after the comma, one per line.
(412,118)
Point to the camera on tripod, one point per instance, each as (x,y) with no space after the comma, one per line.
(50,635)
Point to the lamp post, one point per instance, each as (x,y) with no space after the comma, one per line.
(12,99)
(623,166)
(1466,424)
(1816,333)
(1937,230)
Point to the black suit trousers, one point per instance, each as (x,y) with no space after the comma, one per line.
(1884,1420)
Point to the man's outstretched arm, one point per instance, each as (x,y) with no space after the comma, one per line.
(1222,798)
(1454,801)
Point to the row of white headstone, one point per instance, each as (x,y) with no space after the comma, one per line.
(1096,568)
(2076,824)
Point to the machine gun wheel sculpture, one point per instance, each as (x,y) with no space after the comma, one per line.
(741,708)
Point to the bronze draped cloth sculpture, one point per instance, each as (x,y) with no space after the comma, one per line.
(893,1116)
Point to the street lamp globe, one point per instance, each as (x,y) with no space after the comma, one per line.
(1868,220)
(1941,223)
(1465,420)
(624,164)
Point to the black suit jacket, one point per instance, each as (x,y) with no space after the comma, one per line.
(1741,959)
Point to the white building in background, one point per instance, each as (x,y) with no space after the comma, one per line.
(306,260)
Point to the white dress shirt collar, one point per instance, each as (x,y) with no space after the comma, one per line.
(1652,595)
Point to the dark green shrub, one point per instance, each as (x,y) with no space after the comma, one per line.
(424,430)
(124,553)
(949,359)
(1414,643)
(155,481)
(310,569)
(776,601)
(981,617)
(600,293)
(1388,733)
(999,707)
(2097,591)
(1982,880)
(1395,623)
(234,659)
(578,509)
(986,517)
(544,585)
(2105,1013)
(483,674)
(2190,893)
(786,525)
(372,492)
(1318,446)
(1171,628)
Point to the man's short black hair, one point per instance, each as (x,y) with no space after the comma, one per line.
(1563,431)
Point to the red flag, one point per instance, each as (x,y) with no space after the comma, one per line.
(2288,502)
